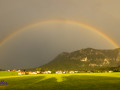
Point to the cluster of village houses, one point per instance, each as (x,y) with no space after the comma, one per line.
(45,72)
(50,72)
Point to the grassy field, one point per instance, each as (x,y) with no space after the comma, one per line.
(81,81)
(6,73)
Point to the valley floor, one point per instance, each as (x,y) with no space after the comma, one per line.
(81,81)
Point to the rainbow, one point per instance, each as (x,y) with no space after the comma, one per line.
(63,21)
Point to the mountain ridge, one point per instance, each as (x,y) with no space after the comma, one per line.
(85,59)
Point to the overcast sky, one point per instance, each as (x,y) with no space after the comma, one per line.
(38,45)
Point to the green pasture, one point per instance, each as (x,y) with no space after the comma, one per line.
(81,81)
(7,73)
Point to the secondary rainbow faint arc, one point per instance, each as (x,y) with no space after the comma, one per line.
(64,21)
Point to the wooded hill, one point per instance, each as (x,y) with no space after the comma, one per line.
(85,59)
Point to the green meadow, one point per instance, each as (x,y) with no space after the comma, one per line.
(80,81)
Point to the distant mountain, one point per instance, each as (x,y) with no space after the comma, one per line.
(85,59)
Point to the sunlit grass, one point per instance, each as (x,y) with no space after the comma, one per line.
(80,81)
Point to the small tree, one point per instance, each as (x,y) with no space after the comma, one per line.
(53,71)
(38,69)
